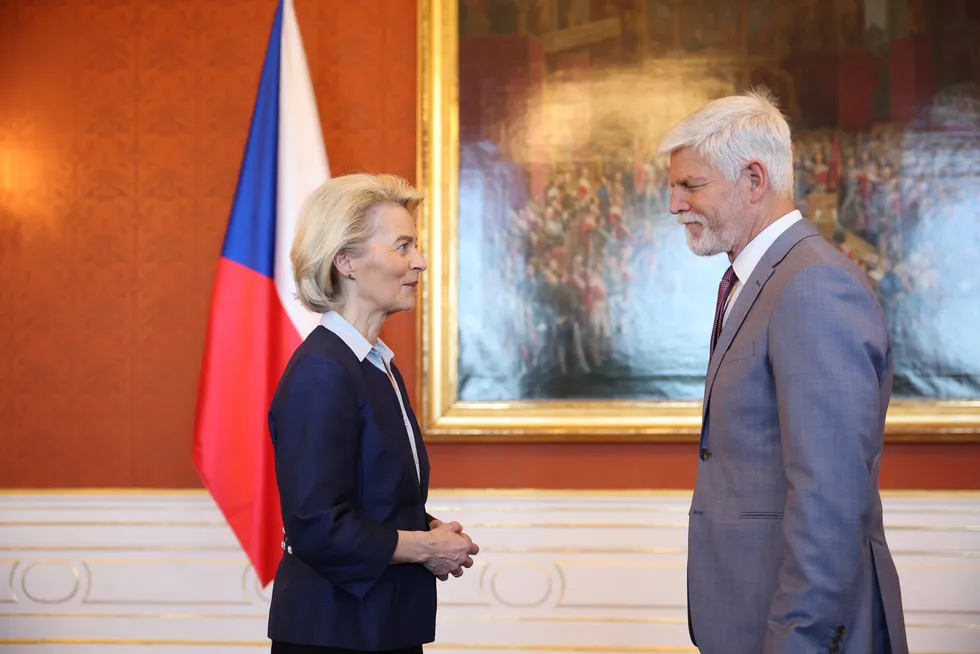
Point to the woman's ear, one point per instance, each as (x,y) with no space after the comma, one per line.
(344,265)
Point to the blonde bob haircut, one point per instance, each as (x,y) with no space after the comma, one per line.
(338,217)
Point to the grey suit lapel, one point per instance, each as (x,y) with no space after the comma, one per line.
(746,298)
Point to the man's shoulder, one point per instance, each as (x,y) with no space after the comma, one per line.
(816,255)
(816,275)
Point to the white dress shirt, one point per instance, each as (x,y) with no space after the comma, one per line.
(380,356)
(752,254)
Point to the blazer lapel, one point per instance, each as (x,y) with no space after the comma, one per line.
(746,298)
(423,455)
(423,477)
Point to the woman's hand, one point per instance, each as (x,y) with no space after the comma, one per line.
(449,550)
(444,550)
(432,525)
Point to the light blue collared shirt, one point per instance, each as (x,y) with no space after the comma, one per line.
(380,356)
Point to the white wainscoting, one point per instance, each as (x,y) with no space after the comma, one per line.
(121,571)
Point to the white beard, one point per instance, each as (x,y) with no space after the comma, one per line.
(710,242)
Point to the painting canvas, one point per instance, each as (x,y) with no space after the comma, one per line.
(572,282)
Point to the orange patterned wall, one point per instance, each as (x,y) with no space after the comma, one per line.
(121,131)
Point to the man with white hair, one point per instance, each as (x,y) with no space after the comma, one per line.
(787,550)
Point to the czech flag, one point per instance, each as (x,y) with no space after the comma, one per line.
(256,322)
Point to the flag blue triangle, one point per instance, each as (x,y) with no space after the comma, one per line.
(251,236)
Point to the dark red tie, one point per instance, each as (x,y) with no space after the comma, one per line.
(724,288)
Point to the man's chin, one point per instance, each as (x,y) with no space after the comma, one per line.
(698,247)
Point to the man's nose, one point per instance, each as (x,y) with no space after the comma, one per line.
(678,202)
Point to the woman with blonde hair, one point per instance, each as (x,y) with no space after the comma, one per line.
(361,555)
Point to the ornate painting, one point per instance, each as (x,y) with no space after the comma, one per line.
(561,300)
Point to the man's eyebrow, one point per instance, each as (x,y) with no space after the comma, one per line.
(690,181)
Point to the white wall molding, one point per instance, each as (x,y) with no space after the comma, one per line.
(559,571)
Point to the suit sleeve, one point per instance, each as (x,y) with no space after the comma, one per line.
(828,347)
(317,436)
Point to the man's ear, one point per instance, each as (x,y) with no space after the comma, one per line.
(758,180)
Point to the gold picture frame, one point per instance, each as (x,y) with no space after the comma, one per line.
(444,417)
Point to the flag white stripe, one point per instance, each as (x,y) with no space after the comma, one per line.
(302,161)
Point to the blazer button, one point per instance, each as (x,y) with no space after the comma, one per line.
(705,453)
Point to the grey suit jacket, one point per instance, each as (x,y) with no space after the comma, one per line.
(787,551)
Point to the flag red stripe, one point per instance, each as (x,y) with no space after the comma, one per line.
(249,341)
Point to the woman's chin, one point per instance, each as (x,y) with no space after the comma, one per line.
(404,304)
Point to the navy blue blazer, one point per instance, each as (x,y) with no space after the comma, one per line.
(347,483)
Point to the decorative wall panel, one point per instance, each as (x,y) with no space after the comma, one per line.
(558,571)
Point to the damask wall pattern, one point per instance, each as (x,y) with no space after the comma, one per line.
(122,124)
(121,131)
